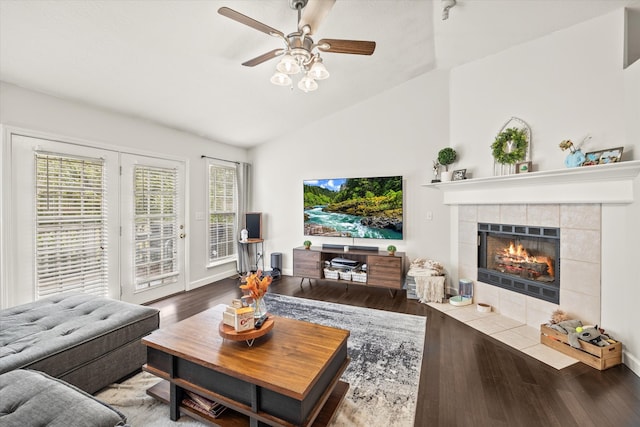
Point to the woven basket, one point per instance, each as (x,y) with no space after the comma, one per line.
(359,276)
(330,273)
(345,275)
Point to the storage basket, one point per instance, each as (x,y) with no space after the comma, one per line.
(331,273)
(345,275)
(597,357)
(359,276)
(410,286)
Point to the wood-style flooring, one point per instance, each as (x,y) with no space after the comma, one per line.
(467,378)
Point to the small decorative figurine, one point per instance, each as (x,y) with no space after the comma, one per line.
(436,171)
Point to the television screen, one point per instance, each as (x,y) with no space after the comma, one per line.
(354,207)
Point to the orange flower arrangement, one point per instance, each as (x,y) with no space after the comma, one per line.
(256,286)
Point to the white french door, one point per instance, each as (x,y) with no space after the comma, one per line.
(153,231)
(94,220)
(63,232)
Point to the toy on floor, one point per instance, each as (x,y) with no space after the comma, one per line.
(558,316)
(589,334)
(576,331)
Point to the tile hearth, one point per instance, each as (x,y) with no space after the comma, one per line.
(509,331)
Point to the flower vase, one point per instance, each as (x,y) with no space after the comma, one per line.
(574,159)
(259,307)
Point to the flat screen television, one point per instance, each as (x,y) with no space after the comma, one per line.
(354,207)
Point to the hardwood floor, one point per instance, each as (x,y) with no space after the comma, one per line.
(467,378)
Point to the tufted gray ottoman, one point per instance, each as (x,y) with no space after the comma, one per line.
(32,398)
(82,339)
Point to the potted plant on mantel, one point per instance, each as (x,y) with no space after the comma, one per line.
(307,244)
(446,156)
(391,249)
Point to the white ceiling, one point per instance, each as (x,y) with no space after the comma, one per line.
(178,62)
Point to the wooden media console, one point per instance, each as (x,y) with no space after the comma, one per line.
(383,270)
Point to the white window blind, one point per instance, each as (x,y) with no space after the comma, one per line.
(156,226)
(222,212)
(71,219)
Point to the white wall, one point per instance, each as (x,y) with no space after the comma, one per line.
(565,86)
(621,280)
(35,111)
(398,132)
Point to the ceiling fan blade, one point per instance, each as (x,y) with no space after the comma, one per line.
(313,13)
(264,57)
(356,47)
(243,19)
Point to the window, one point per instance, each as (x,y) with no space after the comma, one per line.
(156,226)
(222,212)
(71,224)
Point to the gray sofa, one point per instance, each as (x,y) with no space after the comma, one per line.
(84,340)
(32,398)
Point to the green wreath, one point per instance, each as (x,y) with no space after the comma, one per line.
(519,138)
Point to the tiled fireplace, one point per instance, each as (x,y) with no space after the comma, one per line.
(588,208)
(579,260)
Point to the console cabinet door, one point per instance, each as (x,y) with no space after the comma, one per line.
(306,263)
(384,271)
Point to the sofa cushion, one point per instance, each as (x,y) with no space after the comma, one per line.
(58,334)
(31,398)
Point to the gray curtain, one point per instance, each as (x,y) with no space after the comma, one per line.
(243,176)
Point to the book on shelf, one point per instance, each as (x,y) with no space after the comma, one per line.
(202,404)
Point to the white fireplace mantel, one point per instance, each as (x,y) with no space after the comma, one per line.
(611,183)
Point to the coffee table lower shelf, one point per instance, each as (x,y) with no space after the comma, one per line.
(231,418)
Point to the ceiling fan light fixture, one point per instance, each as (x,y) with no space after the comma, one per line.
(280,79)
(307,84)
(318,71)
(288,65)
(301,55)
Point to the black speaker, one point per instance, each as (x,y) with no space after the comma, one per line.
(364,248)
(332,246)
(276,261)
(253,224)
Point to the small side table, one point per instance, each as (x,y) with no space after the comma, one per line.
(258,253)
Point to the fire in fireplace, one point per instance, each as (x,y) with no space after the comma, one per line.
(520,258)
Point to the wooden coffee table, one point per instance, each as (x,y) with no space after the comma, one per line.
(289,377)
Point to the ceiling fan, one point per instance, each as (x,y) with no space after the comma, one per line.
(301,54)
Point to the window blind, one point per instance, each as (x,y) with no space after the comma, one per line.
(222,212)
(71,219)
(156,226)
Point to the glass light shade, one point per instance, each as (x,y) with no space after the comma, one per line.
(288,65)
(281,79)
(318,71)
(307,84)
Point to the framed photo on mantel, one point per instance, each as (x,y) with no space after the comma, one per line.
(459,175)
(523,167)
(603,157)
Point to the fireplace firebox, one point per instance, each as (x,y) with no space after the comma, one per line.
(520,258)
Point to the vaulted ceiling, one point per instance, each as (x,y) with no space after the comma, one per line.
(178,63)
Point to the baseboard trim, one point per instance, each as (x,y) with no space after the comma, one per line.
(231,271)
(631,361)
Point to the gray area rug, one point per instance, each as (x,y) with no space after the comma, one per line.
(385,350)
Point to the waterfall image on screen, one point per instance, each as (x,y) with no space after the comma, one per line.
(354,207)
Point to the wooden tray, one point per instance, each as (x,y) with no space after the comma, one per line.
(229,333)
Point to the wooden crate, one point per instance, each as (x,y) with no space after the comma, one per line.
(597,357)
